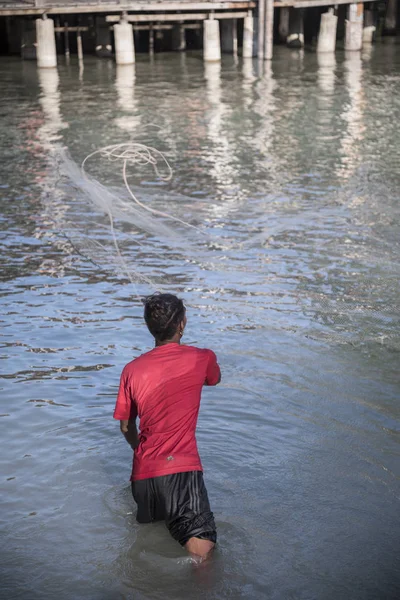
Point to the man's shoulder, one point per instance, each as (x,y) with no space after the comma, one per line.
(137,361)
(204,352)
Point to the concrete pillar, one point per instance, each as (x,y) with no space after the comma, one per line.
(179,37)
(151,41)
(354,27)
(284,23)
(124,46)
(235,37)
(327,32)
(79,47)
(227,35)
(46,43)
(66,41)
(391,18)
(261,28)
(295,38)
(269,29)
(249,47)
(211,40)
(103,38)
(369,27)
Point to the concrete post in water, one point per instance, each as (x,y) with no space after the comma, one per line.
(248,50)
(354,27)
(179,37)
(212,46)
(79,45)
(46,43)
(261,28)
(151,40)
(369,27)
(66,41)
(327,32)
(124,45)
(269,29)
(235,37)
(283,23)
(295,38)
(58,34)
(391,18)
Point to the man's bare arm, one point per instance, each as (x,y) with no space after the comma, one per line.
(130,433)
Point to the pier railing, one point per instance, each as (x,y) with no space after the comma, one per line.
(138,5)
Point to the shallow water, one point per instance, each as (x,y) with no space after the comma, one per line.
(292,173)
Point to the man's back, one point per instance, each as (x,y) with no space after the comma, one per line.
(163,387)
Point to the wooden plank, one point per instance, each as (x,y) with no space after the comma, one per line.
(176,17)
(261,19)
(68,29)
(6,11)
(311,3)
(155,27)
(65,8)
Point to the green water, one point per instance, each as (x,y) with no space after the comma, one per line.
(292,173)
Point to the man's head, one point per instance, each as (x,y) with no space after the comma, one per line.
(164,315)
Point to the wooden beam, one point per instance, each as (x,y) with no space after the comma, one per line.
(86,7)
(159,27)
(167,6)
(68,29)
(166,26)
(311,3)
(176,17)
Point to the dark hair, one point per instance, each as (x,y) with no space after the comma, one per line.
(163,313)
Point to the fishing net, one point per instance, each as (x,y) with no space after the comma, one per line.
(130,232)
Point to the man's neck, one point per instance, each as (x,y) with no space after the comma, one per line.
(174,340)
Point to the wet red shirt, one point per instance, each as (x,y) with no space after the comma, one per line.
(163,388)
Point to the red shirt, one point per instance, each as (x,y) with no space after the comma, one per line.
(163,388)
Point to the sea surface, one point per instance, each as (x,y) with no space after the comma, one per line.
(281,232)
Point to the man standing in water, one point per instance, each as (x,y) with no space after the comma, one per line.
(163,388)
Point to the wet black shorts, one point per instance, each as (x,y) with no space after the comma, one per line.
(181,501)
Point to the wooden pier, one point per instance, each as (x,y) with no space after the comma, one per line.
(246,25)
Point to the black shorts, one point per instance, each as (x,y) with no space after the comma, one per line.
(179,499)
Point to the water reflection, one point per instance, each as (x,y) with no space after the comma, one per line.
(352,115)
(50,99)
(248,69)
(220,154)
(265,107)
(291,322)
(125,86)
(367,52)
(53,210)
(326,75)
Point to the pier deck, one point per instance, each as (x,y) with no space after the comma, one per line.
(158,7)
